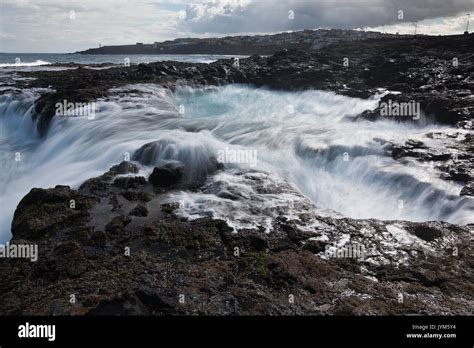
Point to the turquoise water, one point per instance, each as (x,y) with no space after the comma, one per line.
(315,148)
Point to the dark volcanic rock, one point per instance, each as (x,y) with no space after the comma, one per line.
(137,196)
(468,190)
(139,210)
(426,232)
(452,154)
(99,185)
(42,212)
(117,224)
(124,168)
(167,175)
(82,234)
(148,153)
(193,175)
(127,182)
(420,67)
(203,267)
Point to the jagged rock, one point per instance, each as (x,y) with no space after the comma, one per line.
(94,185)
(117,224)
(167,175)
(139,210)
(149,152)
(468,190)
(114,202)
(224,271)
(396,64)
(156,302)
(127,182)
(124,305)
(45,211)
(124,167)
(98,238)
(101,183)
(152,152)
(426,232)
(137,196)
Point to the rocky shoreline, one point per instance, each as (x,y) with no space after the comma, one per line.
(435,72)
(122,250)
(116,245)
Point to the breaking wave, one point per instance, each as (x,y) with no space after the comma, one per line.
(306,142)
(35,63)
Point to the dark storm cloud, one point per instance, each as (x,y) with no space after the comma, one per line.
(233,16)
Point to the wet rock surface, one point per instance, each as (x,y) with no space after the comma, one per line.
(436,72)
(167,175)
(451,153)
(121,247)
(134,256)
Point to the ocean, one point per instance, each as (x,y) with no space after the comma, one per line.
(303,141)
(41,59)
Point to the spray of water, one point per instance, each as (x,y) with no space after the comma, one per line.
(306,140)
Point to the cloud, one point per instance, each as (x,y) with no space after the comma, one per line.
(46,26)
(434,26)
(228,17)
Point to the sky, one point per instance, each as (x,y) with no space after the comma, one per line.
(60,26)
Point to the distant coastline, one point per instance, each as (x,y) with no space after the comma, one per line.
(244,45)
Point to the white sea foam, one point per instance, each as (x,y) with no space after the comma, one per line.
(20,64)
(312,150)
